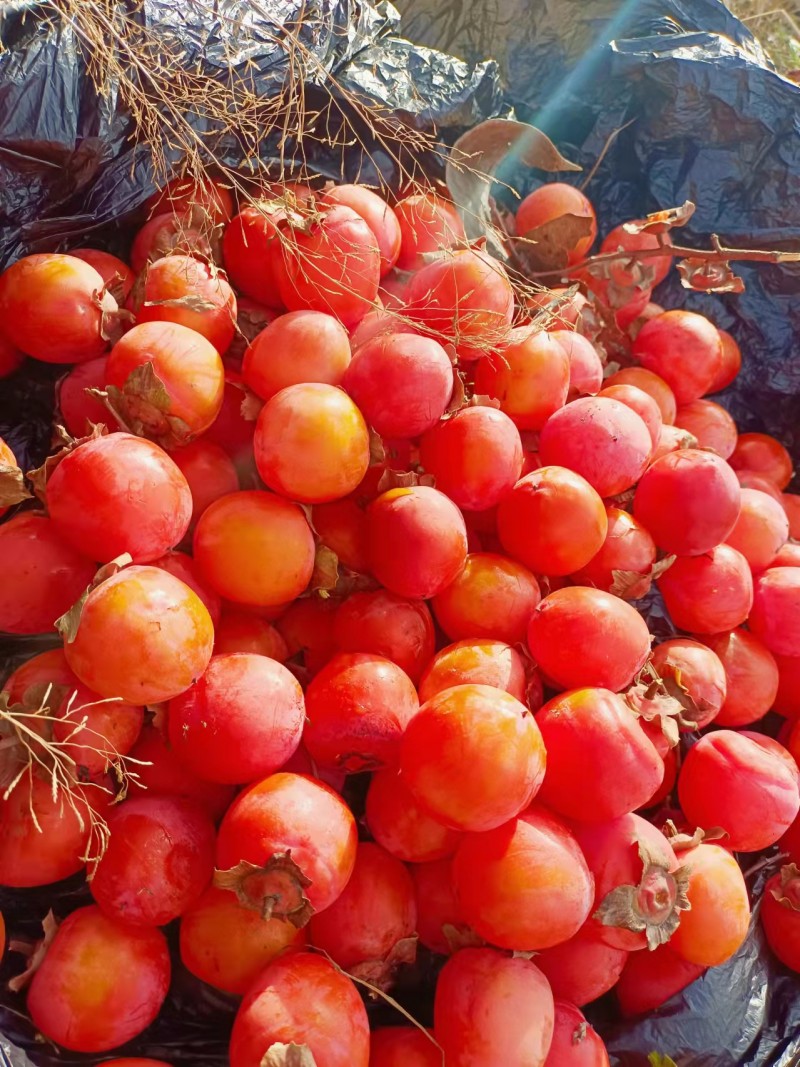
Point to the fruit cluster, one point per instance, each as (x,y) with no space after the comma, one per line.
(359,509)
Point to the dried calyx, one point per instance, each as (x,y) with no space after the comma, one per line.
(380,973)
(653,906)
(275,890)
(663,699)
(787,890)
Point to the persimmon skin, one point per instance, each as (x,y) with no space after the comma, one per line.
(650,383)
(553,521)
(575,1042)
(708,593)
(493,1010)
(241,721)
(487,729)
(751,675)
(580,636)
(762,454)
(585,365)
(711,424)
(482,662)
(401,826)
(143,636)
(475,456)
(273,1012)
(787,699)
(549,202)
(731,363)
(628,546)
(209,472)
(164,843)
(47,578)
(439,923)
(749,788)
(689,500)
(599,438)
(402,1046)
(376,911)
(780,917)
(298,347)
(650,979)
(228,945)
(530,377)
(383,624)
(377,214)
(584,968)
(716,925)
(427,224)
(358,708)
(492,597)
(239,533)
(79,410)
(600,762)
(101,983)
(683,348)
(311,443)
(524,885)
(775,615)
(417,541)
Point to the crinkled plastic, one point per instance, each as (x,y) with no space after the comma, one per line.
(712,122)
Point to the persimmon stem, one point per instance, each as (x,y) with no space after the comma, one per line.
(717,253)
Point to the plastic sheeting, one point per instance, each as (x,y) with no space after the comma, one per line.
(712,123)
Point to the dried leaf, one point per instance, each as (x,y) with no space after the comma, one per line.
(281,1055)
(480,400)
(40,476)
(191,301)
(275,889)
(661,566)
(143,405)
(547,247)
(251,405)
(662,221)
(326,571)
(12,486)
(391,479)
(377,452)
(630,585)
(787,891)
(380,974)
(579,1033)
(458,398)
(35,953)
(67,625)
(461,936)
(475,158)
(709,276)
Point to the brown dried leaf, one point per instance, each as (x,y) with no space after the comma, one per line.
(629,585)
(461,936)
(547,247)
(326,571)
(380,974)
(458,398)
(12,486)
(709,276)
(67,625)
(143,405)
(579,1033)
(662,221)
(392,479)
(191,301)
(251,405)
(291,1055)
(475,157)
(789,874)
(377,453)
(40,476)
(480,400)
(35,953)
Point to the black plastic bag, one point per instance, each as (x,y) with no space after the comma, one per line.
(713,123)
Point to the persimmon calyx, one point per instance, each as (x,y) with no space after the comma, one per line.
(12,486)
(653,906)
(68,623)
(291,1055)
(276,889)
(380,973)
(143,407)
(34,953)
(787,891)
(461,936)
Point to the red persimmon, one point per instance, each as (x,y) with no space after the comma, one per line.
(478,662)
(79,410)
(427,224)
(401,826)
(584,968)
(403,1046)
(272,1016)
(580,636)
(716,924)
(624,562)
(585,365)
(523,885)
(383,624)
(241,721)
(775,615)
(709,593)
(530,377)
(417,541)
(553,201)
(684,349)
(377,214)
(710,424)
(116,494)
(553,521)
(731,363)
(491,597)
(751,676)
(575,1042)
(600,762)
(743,783)
(143,635)
(604,441)
(287,845)
(118,276)
(695,671)
(209,199)
(439,922)
(475,456)
(649,383)
(780,915)
(642,403)
(101,983)
(761,529)
(168,234)
(301,346)
(493,1010)
(487,730)
(761,454)
(650,979)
